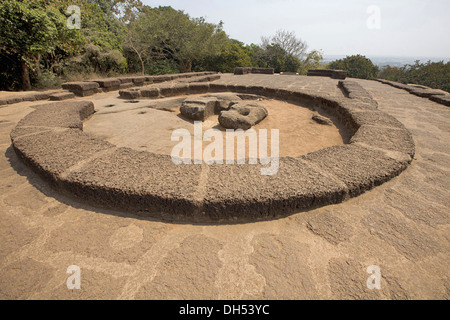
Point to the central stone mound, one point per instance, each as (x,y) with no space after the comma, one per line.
(234,111)
(243,115)
(147,125)
(201,108)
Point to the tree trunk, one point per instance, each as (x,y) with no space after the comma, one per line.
(38,66)
(139,56)
(142,62)
(185,66)
(142,65)
(26,84)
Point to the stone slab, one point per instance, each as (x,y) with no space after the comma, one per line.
(107,83)
(262,71)
(142,181)
(139,81)
(80,86)
(59,114)
(427,93)
(124,86)
(130,94)
(361,169)
(295,187)
(198,88)
(51,153)
(150,92)
(394,139)
(171,90)
(62,96)
(86,93)
(438,96)
(198,109)
(242,115)
(445,100)
(334,74)
(354,90)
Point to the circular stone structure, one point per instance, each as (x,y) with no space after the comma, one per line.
(52,142)
(149,125)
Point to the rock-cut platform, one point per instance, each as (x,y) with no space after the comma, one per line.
(52,142)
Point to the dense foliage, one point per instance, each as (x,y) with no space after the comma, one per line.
(167,34)
(432,74)
(38,49)
(357,66)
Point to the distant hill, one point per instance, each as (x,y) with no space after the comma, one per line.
(382,61)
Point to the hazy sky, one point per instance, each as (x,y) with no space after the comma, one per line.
(338,27)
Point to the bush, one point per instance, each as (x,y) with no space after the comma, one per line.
(236,54)
(435,75)
(164,66)
(391,73)
(357,66)
(94,60)
(313,60)
(274,56)
(48,80)
(112,61)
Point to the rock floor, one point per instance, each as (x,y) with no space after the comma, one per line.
(401,226)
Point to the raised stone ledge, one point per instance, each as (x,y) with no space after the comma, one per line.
(91,87)
(438,96)
(58,115)
(393,139)
(207,78)
(107,84)
(63,95)
(262,70)
(354,90)
(445,100)
(51,141)
(249,70)
(31,96)
(191,85)
(130,94)
(361,169)
(82,89)
(80,86)
(334,74)
(52,153)
(427,93)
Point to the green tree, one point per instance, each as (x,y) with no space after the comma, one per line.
(99,27)
(392,73)
(274,56)
(313,60)
(35,33)
(138,41)
(235,54)
(357,66)
(288,41)
(28,30)
(126,10)
(166,33)
(432,74)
